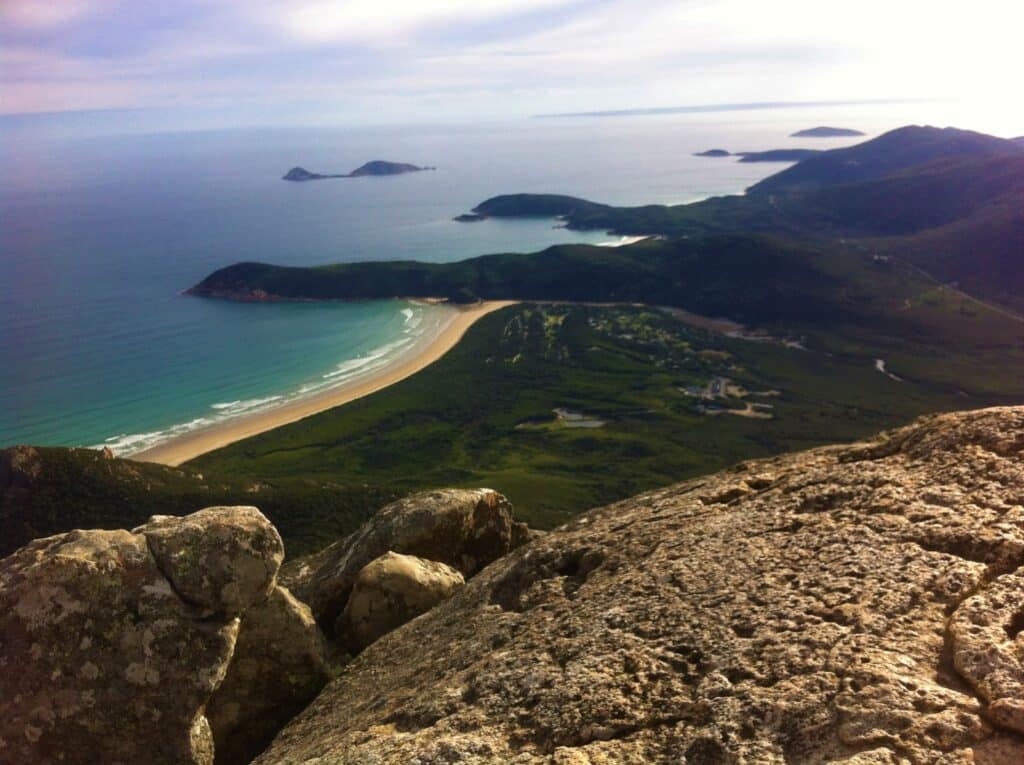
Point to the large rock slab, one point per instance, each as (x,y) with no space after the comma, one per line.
(390,591)
(279,665)
(857,604)
(465,528)
(101,660)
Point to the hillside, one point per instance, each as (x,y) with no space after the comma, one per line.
(747,278)
(45,491)
(657,396)
(958,216)
(889,153)
(856,274)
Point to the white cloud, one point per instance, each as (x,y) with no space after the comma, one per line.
(384,21)
(459,58)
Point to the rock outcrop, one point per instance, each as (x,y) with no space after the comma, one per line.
(859,604)
(19,468)
(464,528)
(222,559)
(279,665)
(389,592)
(111,642)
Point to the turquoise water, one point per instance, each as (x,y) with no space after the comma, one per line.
(99,234)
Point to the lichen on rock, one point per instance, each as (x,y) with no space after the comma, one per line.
(855,604)
(102,660)
(222,559)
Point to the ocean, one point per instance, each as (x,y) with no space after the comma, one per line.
(100,232)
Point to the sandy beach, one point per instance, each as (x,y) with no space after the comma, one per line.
(178,450)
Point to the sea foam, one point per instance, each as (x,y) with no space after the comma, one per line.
(344,373)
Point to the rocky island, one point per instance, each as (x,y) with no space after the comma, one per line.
(827,132)
(713,153)
(777,155)
(374,167)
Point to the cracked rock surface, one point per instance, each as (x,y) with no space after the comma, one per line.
(859,605)
(102,658)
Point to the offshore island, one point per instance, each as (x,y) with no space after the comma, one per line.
(374,167)
(827,132)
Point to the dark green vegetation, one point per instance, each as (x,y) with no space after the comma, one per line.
(889,153)
(45,491)
(669,400)
(747,278)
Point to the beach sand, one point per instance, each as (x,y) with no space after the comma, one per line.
(183,448)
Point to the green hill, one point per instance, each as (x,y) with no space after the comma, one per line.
(889,153)
(45,491)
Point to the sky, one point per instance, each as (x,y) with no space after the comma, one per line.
(379,61)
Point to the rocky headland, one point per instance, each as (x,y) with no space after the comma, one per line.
(859,604)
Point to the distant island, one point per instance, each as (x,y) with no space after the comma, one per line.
(374,167)
(777,155)
(882,192)
(826,132)
(774,155)
(470,217)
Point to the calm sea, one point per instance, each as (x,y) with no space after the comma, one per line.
(100,233)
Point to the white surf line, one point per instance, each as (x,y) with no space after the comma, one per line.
(623,241)
(880,366)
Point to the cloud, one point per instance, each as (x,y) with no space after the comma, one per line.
(462,58)
(373,21)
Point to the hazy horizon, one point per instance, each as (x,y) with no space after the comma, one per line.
(218,63)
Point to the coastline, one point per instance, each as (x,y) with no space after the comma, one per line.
(175,451)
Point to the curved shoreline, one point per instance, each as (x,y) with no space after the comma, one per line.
(184,448)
